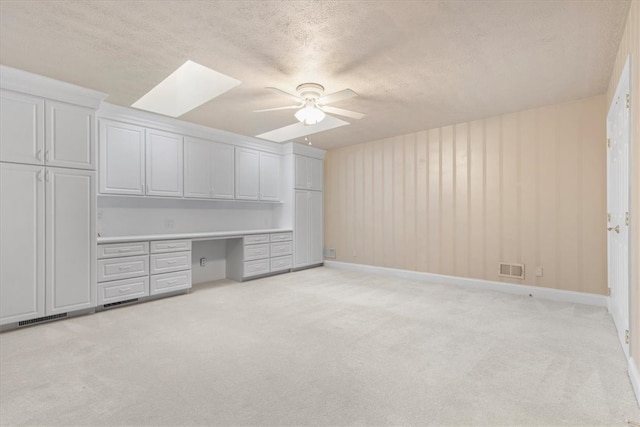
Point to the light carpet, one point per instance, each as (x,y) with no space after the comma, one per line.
(321,347)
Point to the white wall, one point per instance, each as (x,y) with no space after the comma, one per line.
(215,251)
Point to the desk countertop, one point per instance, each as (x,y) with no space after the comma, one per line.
(206,235)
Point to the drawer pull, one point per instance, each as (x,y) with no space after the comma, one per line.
(124,267)
(123,290)
(171,282)
(173,261)
(171,246)
(124,250)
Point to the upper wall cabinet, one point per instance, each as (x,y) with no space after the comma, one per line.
(122,158)
(67,142)
(21,128)
(257,175)
(208,169)
(164,164)
(308,173)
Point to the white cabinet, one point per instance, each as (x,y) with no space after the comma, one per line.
(307,228)
(308,173)
(21,128)
(69,137)
(258,254)
(257,175)
(22,249)
(47,250)
(122,158)
(208,169)
(164,164)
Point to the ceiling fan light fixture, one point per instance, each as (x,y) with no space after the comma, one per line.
(310,115)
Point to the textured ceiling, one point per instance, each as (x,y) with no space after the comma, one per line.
(415,64)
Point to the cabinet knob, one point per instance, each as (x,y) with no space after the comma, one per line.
(39,155)
(46,156)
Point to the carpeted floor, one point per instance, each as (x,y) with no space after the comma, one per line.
(321,347)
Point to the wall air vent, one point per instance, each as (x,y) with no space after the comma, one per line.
(116,304)
(41,319)
(514,271)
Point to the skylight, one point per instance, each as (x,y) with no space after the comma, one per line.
(188,87)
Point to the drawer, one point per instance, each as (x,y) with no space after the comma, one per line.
(281,248)
(162,246)
(256,251)
(254,268)
(113,250)
(281,263)
(281,237)
(123,268)
(120,290)
(174,261)
(170,282)
(256,238)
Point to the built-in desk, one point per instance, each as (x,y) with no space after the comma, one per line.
(207,235)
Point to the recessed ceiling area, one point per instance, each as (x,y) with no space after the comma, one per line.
(415,65)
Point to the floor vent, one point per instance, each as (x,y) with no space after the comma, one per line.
(116,304)
(42,319)
(515,271)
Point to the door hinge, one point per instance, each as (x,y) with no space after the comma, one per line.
(626,218)
(628,100)
(609,292)
(608,217)
(608,143)
(626,336)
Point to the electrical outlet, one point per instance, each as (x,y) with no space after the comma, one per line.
(329,252)
(203,262)
(539,271)
(169,224)
(99,213)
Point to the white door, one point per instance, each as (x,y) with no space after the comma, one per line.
(69,140)
(122,158)
(164,164)
(197,168)
(315,227)
(269,177)
(22,242)
(618,135)
(21,128)
(301,230)
(70,240)
(247,174)
(223,175)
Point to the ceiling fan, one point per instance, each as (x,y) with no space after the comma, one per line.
(313,109)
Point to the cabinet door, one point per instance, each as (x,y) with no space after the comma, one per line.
(21,128)
(315,227)
(164,164)
(122,158)
(269,177)
(247,174)
(70,240)
(22,243)
(301,230)
(69,140)
(301,166)
(197,168)
(315,169)
(222,185)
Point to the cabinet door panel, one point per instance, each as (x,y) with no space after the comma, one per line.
(269,177)
(301,172)
(315,174)
(122,158)
(164,164)
(69,138)
(22,251)
(247,174)
(21,128)
(315,227)
(197,168)
(223,171)
(301,230)
(70,240)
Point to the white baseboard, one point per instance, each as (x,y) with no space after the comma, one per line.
(526,290)
(634,374)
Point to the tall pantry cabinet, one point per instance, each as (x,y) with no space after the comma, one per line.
(47,197)
(308,207)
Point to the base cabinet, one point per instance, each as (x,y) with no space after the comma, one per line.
(258,254)
(307,247)
(47,250)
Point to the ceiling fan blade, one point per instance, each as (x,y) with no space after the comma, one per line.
(287,94)
(337,96)
(288,107)
(341,112)
(297,130)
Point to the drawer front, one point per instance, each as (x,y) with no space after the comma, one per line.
(280,249)
(281,237)
(121,290)
(122,268)
(170,282)
(175,261)
(281,263)
(254,268)
(256,238)
(113,250)
(256,251)
(162,246)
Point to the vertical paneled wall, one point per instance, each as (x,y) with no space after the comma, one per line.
(630,45)
(527,187)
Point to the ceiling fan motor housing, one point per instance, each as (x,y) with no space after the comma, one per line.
(310,90)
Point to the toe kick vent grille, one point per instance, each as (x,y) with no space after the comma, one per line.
(42,319)
(116,304)
(515,271)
